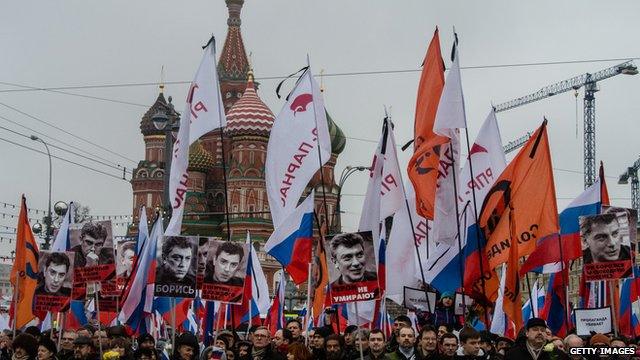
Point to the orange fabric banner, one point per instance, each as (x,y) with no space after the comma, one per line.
(423,166)
(512,303)
(24,273)
(527,186)
(320,280)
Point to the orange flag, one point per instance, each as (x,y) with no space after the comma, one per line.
(320,279)
(512,301)
(423,166)
(527,186)
(24,272)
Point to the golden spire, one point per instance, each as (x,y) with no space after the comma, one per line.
(250,72)
(162,80)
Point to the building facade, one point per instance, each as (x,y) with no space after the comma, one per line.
(242,144)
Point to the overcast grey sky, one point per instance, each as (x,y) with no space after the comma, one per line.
(69,43)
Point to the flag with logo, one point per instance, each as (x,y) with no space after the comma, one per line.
(299,133)
(443,266)
(526,188)
(203,112)
(423,166)
(450,117)
(24,273)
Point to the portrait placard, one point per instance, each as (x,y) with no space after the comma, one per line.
(204,245)
(92,243)
(353,274)
(606,248)
(177,261)
(55,280)
(225,271)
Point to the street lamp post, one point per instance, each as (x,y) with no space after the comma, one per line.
(344,175)
(48,219)
(162,120)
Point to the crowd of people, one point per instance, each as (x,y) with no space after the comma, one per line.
(292,343)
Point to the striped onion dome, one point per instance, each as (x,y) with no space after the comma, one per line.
(249,115)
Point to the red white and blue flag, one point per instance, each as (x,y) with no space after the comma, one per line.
(255,301)
(137,291)
(291,242)
(275,317)
(555,311)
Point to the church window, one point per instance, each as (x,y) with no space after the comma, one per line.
(228,94)
(251,158)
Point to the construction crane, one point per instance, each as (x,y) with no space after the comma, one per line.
(589,82)
(517,143)
(632,173)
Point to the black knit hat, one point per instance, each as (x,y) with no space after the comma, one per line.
(26,342)
(48,344)
(145,337)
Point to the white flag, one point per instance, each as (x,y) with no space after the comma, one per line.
(62,242)
(299,131)
(443,269)
(259,287)
(499,322)
(143,229)
(402,261)
(385,195)
(203,113)
(449,118)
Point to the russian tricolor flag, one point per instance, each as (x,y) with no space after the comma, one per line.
(554,310)
(548,250)
(136,291)
(275,317)
(291,241)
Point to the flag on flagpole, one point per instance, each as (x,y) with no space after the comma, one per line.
(554,310)
(62,242)
(501,324)
(291,242)
(137,291)
(449,118)
(423,166)
(322,283)
(24,274)
(299,132)
(384,197)
(443,267)
(275,317)
(535,303)
(203,112)
(143,230)
(526,186)
(401,261)
(255,301)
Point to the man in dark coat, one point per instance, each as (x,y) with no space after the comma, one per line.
(262,349)
(532,347)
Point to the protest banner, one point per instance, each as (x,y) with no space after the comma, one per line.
(352,267)
(204,245)
(225,270)
(459,304)
(126,255)
(630,218)
(176,257)
(55,280)
(416,299)
(92,243)
(596,320)
(606,246)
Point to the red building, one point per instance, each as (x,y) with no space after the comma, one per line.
(244,146)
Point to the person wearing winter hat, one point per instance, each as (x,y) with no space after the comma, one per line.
(445,312)
(187,347)
(83,349)
(47,349)
(146,341)
(25,347)
(599,340)
(532,347)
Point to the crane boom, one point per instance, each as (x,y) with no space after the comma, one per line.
(589,82)
(566,85)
